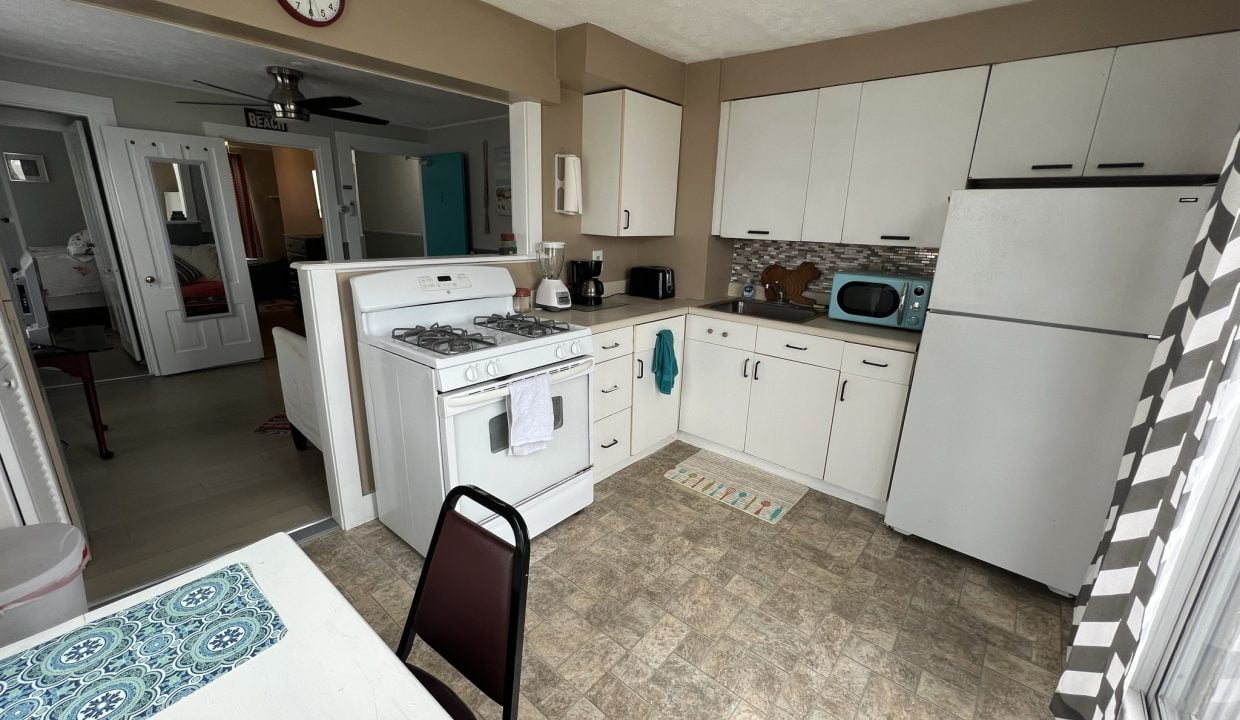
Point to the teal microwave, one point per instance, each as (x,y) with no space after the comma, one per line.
(889,300)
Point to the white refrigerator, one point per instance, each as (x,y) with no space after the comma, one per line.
(1046,311)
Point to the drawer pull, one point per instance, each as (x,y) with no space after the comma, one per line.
(794,347)
(1052,166)
(895,237)
(755,369)
(611,389)
(843,387)
(745,369)
(613,346)
(758,232)
(610,445)
(873,364)
(1120,166)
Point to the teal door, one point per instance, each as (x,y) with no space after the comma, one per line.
(445,199)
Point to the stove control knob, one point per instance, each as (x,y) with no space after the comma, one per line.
(559,351)
(575,348)
(471,373)
(492,369)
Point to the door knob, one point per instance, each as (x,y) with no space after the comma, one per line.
(150,279)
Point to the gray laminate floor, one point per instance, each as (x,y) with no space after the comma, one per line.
(191,479)
(656,602)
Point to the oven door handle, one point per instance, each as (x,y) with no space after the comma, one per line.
(483,398)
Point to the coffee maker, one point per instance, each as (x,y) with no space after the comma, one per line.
(583,282)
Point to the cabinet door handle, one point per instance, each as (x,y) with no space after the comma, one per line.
(1120,165)
(794,347)
(895,237)
(843,387)
(757,232)
(613,346)
(611,444)
(873,364)
(626,220)
(611,389)
(755,369)
(641,369)
(745,369)
(1052,166)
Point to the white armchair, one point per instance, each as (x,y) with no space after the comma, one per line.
(300,402)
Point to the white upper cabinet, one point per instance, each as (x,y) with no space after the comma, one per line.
(769,141)
(1039,116)
(831,162)
(914,144)
(1170,108)
(630,160)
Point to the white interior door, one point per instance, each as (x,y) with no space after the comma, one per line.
(110,274)
(350,208)
(176,200)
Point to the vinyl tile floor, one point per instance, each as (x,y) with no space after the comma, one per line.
(191,479)
(656,602)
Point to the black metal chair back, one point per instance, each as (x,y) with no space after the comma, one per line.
(470,602)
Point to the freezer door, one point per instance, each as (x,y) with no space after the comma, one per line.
(1105,258)
(1012,442)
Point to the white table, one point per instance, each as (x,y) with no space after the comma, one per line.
(329,664)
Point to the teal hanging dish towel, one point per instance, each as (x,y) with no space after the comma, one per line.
(665,368)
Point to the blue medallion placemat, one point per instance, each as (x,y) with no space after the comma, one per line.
(136,662)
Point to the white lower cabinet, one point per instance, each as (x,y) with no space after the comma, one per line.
(655,416)
(715,402)
(611,442)
(864,434)
(790,407)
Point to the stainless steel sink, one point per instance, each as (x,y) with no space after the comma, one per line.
(786,312)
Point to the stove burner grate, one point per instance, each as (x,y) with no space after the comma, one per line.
(523,325)
(443,339)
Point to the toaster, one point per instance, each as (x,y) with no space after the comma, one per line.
(652,281)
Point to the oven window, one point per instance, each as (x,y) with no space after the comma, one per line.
(868,299)
(498,426)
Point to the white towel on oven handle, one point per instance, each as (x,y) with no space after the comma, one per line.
(531,416)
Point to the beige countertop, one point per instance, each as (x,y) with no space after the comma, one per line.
(638,310)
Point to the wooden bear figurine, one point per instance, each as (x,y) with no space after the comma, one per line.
(793,282)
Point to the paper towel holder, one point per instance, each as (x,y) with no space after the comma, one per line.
(567,190)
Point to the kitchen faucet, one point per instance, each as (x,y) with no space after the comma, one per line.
(779,290)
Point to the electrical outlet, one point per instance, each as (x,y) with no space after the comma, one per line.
(598,255)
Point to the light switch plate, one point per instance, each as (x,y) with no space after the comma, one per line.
(598,255)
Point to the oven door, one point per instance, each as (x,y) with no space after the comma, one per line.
(877,302)
(475,424)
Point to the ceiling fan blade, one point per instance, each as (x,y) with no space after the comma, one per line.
(350,116)
(331,102)
(229,90)
(221,104)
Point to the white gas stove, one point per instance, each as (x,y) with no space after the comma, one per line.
(439,347)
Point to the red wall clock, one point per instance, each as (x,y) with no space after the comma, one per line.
(315,13)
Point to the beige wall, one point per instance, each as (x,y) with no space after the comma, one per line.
(1014,32)
(591,59)
(465,45)
(297,205)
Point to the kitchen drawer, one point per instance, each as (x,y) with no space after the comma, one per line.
(644,335)
(878,363)
(612,344)
(820,351)
(721,332)
(613,386)
(611,441)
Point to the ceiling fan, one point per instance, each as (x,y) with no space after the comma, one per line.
(286,102)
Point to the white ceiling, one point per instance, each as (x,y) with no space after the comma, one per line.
(693,30)
(88,37)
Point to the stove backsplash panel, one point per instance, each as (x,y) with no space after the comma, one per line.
(751,257)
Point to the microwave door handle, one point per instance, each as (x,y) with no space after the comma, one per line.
(467,401)
(900,307)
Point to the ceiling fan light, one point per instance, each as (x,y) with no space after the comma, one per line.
(289,111)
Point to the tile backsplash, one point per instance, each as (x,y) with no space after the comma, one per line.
(751,257)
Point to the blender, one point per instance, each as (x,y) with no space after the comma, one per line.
(552,292)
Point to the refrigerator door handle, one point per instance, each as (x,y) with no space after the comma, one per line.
(900,307)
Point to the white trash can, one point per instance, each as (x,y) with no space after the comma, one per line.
(40,578)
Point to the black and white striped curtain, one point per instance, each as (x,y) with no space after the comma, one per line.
(1172,418)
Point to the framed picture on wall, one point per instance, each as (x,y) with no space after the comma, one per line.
(25,168)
